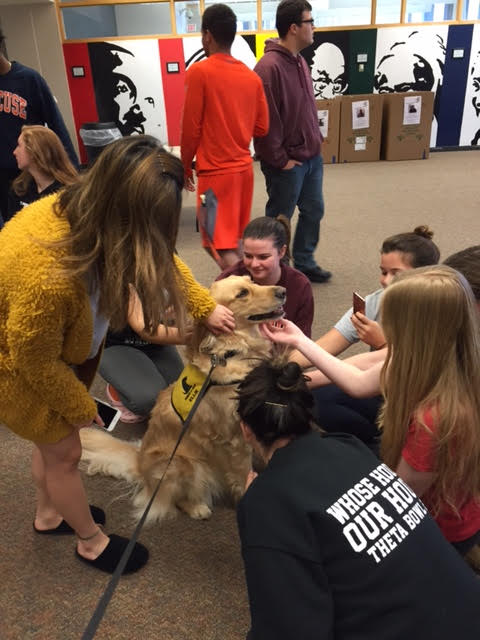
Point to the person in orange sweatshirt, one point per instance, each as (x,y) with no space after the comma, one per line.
(225,106)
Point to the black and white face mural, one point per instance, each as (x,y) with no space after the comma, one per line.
(470,132)
(128,86)
(411,60)
(327,58)
(193,51)
(328,71)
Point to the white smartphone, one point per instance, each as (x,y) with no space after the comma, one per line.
(108,414)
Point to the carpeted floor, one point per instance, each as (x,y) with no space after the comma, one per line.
(193,586)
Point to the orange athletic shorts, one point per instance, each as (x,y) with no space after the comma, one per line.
(234,192)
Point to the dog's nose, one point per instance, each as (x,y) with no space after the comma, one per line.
(280,293)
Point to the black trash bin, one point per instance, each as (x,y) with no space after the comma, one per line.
(96,135)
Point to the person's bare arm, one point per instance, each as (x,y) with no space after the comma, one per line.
(362,361)
(349,378)
(368,331)
(162,335)
(333,342)
(419,481)
(317,379)
(367,359)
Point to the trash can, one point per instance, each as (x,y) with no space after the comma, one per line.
(96,135)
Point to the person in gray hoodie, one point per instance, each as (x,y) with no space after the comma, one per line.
(290,152)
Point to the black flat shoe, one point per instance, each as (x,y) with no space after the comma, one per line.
(64,528)
(108,560)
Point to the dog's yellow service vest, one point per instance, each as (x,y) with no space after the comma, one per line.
(186,389)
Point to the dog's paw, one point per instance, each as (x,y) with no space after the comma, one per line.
(198,511)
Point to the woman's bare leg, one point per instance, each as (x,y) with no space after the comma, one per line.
(46,515)
(60,489)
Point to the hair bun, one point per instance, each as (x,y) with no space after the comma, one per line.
(290,378)
(424,231)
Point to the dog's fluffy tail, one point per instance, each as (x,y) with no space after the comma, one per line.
(110,456)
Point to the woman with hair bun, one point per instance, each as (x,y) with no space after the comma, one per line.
(398,253)
(334,544)
(44,164)
(335,410)
(265,247)
(430,421)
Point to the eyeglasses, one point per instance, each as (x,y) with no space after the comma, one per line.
(310,22)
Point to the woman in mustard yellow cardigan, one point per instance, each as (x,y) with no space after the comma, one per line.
(66,266)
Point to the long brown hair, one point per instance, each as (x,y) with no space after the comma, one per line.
(47,154)
(123,215)
(431,324)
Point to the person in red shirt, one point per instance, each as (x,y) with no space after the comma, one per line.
(225,107)
(430,379)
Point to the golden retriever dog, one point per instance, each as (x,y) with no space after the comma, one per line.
(212,460)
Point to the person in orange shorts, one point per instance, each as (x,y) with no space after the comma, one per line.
(225,106)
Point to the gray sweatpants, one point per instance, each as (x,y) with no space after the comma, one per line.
(140,373)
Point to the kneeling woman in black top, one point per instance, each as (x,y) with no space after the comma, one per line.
(335,545)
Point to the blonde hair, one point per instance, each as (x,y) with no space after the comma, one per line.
(123,215)
(432,328)
(47,154)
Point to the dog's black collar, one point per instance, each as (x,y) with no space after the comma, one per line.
(221,361)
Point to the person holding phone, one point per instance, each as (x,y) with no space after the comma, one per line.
(430,420)
(67,263)
(336,410)
(334,544)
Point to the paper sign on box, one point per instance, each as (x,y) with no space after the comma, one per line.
(412,109)
(360,114)
(323,122)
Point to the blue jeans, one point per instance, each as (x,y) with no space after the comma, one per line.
(302,186)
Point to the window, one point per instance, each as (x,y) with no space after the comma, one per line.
(246,12)
(388,11)
(471,10)
(187,17)
(333,13)
(269,9)
(426,11)
(103,21)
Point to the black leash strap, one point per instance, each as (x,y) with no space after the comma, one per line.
(99,612)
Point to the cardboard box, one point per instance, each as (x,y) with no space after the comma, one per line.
(360,128)
(329,122)
(407,123)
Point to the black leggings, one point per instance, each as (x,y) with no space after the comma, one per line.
(464,546)
(337,411)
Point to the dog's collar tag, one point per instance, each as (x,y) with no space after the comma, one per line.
(217,360)
(186,390)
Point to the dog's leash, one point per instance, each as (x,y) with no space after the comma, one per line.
(99,612)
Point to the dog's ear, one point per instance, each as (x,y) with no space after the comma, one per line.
(201,341)
(207,345)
